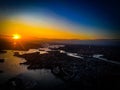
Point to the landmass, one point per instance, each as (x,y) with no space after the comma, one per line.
(88,73)
(109,52)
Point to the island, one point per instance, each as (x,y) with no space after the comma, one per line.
(87,73)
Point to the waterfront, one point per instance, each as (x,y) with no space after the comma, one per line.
(54,67)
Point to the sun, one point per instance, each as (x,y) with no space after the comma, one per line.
(16,36)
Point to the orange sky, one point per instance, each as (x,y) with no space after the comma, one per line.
(29,29)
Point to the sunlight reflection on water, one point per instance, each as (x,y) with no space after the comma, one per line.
(12,68)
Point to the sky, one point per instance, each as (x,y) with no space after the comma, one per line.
(60,19)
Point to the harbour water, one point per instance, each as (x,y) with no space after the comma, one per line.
(12,68)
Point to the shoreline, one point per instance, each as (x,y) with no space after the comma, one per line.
(75,70)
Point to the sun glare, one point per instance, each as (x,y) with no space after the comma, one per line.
(16,36)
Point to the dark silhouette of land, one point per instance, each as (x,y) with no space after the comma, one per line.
(85,73)
(109,52)
(88,73)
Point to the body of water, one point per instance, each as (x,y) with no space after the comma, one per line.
(11,68)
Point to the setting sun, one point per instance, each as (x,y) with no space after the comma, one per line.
(16,36)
